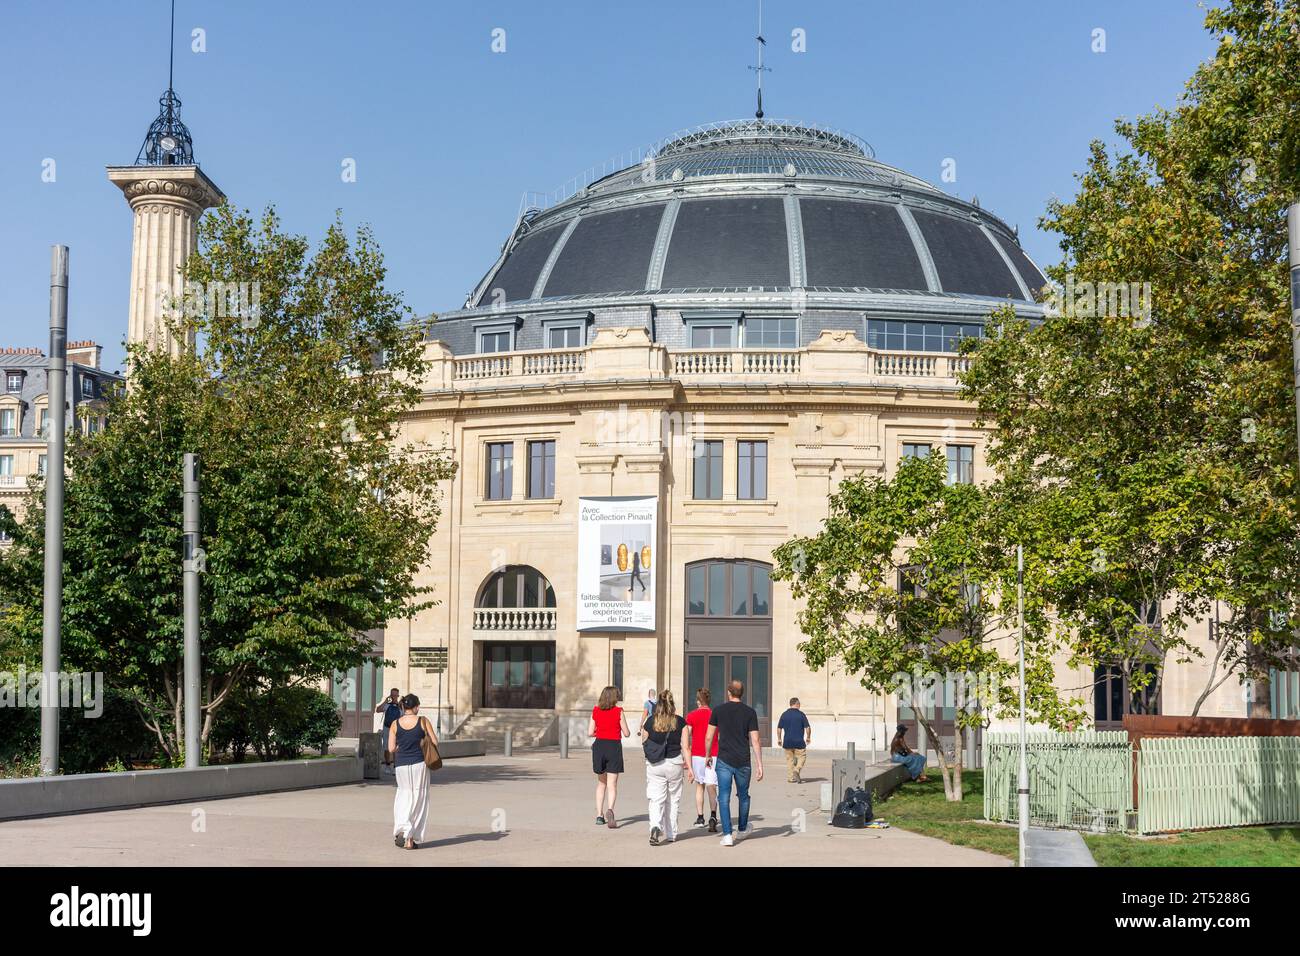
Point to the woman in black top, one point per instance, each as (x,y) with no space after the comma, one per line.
(411,804)
(668,737)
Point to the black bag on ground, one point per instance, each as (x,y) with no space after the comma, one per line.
(854,811)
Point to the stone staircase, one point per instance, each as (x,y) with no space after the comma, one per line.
(532,728)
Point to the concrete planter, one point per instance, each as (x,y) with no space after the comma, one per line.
(81,793)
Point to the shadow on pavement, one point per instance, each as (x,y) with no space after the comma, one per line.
(466,838)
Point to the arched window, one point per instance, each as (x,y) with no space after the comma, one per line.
(516,586)
(728,589)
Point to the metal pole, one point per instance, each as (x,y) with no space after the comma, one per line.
(193,564)
(1023,780)
(52,623)
(1293,239)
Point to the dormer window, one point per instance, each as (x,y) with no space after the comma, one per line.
(87,387)
(13,382)
(771,333)
(496,339)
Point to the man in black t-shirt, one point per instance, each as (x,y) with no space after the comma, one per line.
(735,724)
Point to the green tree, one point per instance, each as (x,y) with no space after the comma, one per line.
(911,585)
(1194,393)
(316,512)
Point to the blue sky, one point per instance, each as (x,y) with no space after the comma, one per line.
(447,135)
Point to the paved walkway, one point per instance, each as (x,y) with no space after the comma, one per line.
(530,809)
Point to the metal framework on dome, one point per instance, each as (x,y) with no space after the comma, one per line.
(168,142)
(779,132)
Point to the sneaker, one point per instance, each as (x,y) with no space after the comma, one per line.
(609,819)
(655,836)
(713,823)
(727,840)
(699,821)
(600,821)
(740,834)
(399,841)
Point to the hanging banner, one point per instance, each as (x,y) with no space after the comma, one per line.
(617,564)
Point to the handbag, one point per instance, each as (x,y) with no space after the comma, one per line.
(432,759)
(655,752)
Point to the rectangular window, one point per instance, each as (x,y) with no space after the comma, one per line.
(916,450)
(541,469)
(496,341)
(919,336)
(717,589)
(6,466)
(564,337)
(8,422)
(740,593)
(708,470)
(961,465)
(87,386)
(771,333)
(751,470)
(40,464)
(500,470)
(711,336)
(45,423)
(762,589)
(14,382)
(616,677)
(695,590)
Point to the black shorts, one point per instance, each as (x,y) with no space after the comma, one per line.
(607,756)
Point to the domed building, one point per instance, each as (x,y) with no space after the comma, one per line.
(660,379)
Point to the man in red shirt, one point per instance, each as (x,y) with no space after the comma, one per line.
(706,778)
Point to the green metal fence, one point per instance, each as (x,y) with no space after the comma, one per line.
(1188,783)
(1081,780)
(1085,781)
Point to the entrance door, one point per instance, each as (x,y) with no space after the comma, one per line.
(519,674)
(716,670)
(356,694)
(729,634)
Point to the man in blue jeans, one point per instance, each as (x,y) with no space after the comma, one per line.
(735,724)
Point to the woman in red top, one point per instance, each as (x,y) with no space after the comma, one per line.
(607,725)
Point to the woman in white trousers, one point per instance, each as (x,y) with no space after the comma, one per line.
(667,739)
(411,803)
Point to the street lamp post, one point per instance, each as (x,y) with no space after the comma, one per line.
(193,564)
(1022,787)
(1293,242)
(52,609)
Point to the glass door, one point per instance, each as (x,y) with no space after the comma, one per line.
(716,671)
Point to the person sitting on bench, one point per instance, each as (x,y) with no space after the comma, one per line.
(899,752)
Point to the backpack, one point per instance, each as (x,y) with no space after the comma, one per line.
(854,811)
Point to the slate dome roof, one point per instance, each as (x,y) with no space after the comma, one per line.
(759,205)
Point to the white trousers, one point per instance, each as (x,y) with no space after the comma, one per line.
(663,788)
(411,804)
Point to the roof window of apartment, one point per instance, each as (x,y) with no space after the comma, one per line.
(771,333)
(13,381)
(566,331)
(920,336)
(87,387)
(495,338)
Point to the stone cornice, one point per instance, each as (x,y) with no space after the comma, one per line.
(174,185)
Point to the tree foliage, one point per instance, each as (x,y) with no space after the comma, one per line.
(316,513)
(911,585)
(1172,436)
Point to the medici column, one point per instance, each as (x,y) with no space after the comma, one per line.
(168,192)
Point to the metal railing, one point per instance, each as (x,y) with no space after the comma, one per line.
(514,618)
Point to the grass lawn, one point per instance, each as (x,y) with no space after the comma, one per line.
(921,808)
